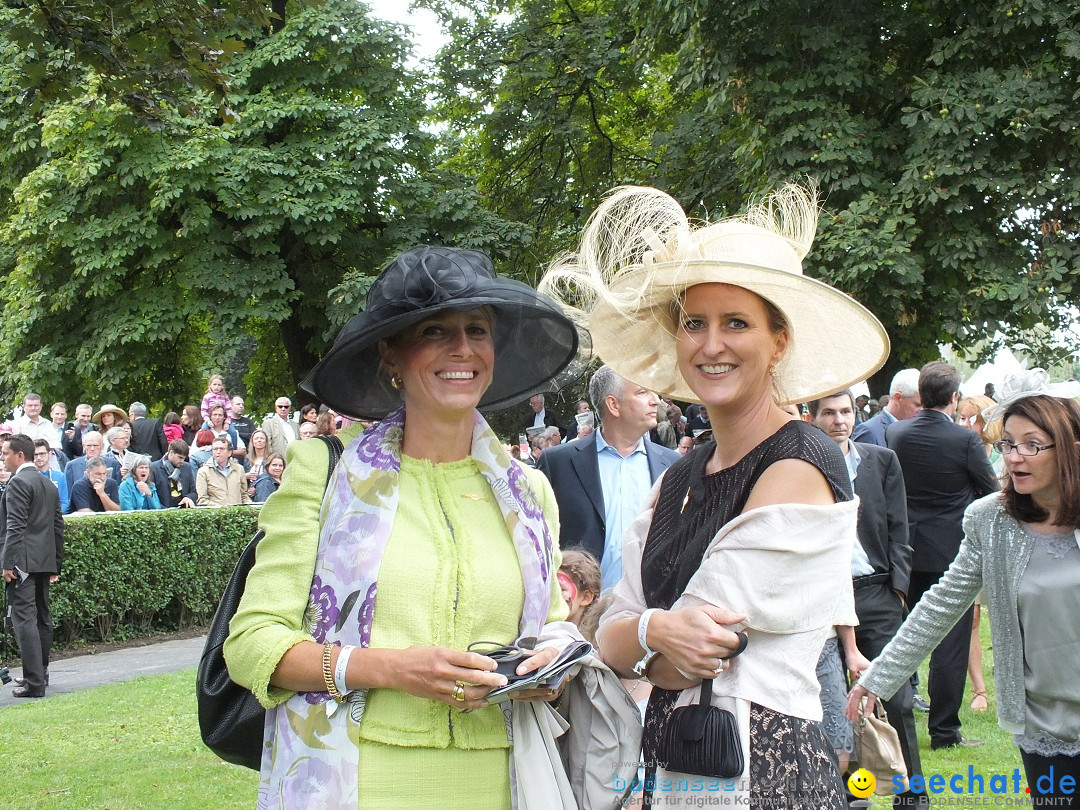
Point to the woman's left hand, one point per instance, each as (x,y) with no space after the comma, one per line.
(536,660)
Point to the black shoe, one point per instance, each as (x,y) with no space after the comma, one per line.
(959,742)
(25,692)
(918,704)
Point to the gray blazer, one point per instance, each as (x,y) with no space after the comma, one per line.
(993,555)
(31,524)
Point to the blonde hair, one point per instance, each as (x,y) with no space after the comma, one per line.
(991,431)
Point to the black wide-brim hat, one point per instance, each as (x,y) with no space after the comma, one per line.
(534,340)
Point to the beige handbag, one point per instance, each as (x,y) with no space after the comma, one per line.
(877,747)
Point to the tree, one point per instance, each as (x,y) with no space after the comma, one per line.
(942,136)
(136,252)
(147,53)
(553,109)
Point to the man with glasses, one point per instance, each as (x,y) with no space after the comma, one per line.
(93,444)
(280,431)
(42,461)
(945,469)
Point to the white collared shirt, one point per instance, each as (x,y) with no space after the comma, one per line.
(860,561)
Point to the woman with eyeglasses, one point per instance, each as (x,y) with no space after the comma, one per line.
(1022,546)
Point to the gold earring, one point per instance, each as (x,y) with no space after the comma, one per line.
(395,382)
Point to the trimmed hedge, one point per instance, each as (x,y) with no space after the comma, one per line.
(135,573)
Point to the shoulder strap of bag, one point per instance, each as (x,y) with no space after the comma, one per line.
(230,718)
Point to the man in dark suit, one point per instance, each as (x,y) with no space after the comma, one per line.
(147,435)
(600,481)
(174,476)
(542,417)
(945,469)
(881,564)
(71,444)
(33,548)
(903,404)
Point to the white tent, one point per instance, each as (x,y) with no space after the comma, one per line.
(1005,362)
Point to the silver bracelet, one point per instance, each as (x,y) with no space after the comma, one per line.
(340,667)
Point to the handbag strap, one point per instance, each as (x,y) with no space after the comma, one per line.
(336,448)
(705,699)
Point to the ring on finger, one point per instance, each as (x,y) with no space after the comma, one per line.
(459,691)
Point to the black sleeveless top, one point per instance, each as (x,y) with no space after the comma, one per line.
(692,507)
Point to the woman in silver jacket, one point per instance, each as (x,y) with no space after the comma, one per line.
(1023,547)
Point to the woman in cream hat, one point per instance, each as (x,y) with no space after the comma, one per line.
(109,416)
(752,530)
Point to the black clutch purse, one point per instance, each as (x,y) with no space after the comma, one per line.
(702,740)
(231,719)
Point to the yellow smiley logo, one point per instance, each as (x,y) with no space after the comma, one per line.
(861,783)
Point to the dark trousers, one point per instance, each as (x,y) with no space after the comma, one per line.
(1037,766)
(948,668)
(32,625)
(880,615)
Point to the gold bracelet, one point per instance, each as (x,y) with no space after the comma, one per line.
(328,672)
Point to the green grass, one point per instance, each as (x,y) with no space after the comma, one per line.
(132,745)
(136,745)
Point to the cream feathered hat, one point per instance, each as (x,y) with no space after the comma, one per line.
(639,253)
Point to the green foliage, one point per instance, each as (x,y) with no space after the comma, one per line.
(136,256)
(131,573)
(553,108)
(148,53)
(943,139)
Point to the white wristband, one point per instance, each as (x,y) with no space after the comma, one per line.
(340,667)
(643,629)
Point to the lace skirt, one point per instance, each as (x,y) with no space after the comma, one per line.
(792,765)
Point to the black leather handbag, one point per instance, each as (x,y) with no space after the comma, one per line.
(702,739)
(231,719)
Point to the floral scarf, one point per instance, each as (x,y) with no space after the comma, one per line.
(312,755)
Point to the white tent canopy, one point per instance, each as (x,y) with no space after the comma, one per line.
(1004,362)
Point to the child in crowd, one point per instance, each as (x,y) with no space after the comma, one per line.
(579,578)
(216,395)
(172,428)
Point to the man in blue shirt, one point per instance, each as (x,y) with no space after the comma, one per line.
(601,481)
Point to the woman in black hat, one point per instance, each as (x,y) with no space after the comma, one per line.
(357,616)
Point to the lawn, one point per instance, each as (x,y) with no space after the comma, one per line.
(127,746)
(136,745)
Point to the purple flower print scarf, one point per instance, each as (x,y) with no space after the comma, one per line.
(312,758)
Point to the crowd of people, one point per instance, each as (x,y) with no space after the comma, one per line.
(728,524)
(112,460)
